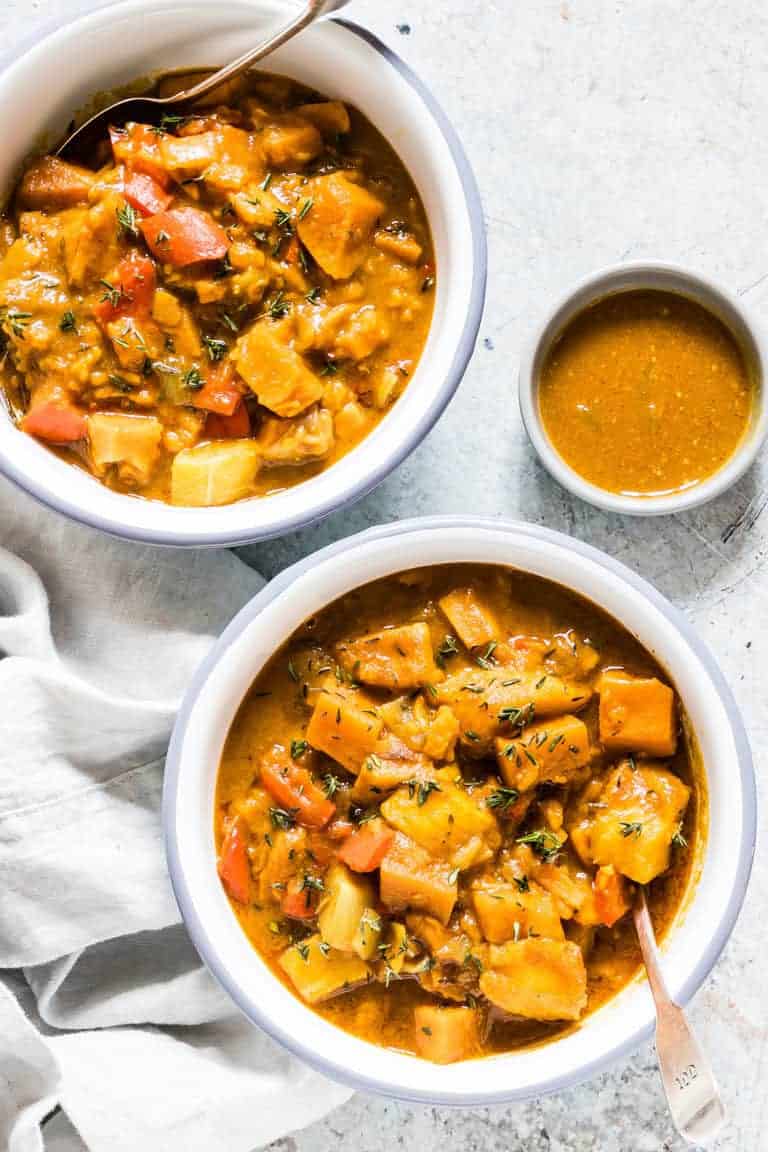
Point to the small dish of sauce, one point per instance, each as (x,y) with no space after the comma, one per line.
(646,392)
(643,391)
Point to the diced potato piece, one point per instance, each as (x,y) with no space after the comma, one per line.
(368,934)
(329,117)
(392,764)
(318,972)
(640,811)
(538,979)
(637,714)
(571,889)
(473,622)
(274,371)
(396,946)
(53,183)
(445,1035)
(553,751)
(288,443)
(337,229)
(216,473)
(344,730)
(401,245)
(514,911)
(490,701)
(446,821)
(290,140)
(128,440)
(433,731)
(399,658)
(346,897)
(410,878)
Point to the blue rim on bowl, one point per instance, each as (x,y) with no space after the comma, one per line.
(264,518)
(445,1091)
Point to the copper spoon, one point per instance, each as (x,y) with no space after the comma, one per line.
(689,1083)
(146,107)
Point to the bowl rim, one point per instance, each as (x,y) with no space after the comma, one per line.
(391,454)
(326,1062)
(613,279)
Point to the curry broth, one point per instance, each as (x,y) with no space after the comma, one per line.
(646,393)
(347,341)
(277,709)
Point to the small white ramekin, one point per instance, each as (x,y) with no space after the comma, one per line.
(646,274)
(693,943)
(39,91)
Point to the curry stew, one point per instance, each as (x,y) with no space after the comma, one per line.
(225,306)
(434,803)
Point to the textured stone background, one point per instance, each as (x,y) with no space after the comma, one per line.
(600,130)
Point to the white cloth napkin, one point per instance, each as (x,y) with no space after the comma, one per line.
(105,1008)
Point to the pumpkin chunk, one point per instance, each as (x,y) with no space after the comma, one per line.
(410,878)
(275,372)
(318,972)
(445,820)
(553,751)
(473,622)
(337,229)
(538,979)
(514,911)
(399,658)
(445,1035)
(637,714)
(344,729)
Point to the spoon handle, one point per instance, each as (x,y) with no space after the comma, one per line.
(686,1075)
(311,11)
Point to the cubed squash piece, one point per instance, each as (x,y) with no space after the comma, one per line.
(488,702)
(318,972)
(212,474)
(446,821)
(473,621)
(397,658)
(343,729)
(52,184)
(329,117)
(130,441)
(338,227)
(433,731)
(445,1035)
(391,765)
(611,895)
(637,714)
(290,140)
(394,948)
(410,878)
(368,934)
(274,371)
(537,979)
(553,751)
(640,811)
(514,911)
(346,897)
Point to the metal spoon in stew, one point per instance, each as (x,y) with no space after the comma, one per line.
(689,1083)
(149,107)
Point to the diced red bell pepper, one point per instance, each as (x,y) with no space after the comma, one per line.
(365,849)
(611,896)
(56,423)
(138,147)
(133,289)
(221,393)
(299,900)
(234,867)
(145,194)
(184,236)
(234,427)
(294,790)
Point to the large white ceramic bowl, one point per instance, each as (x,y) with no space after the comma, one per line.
(694,942)
(121,42)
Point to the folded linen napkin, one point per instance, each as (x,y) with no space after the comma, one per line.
(104,1005)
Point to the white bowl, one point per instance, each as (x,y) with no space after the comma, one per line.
(692,945)
(623,278)
(122,42)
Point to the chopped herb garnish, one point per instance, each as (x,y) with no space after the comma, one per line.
(266,182)
(545,844)
(678,839)
(68,322)
(298,748)
(120,382)
(453,876)
(292,672)
(313,296)
(486,660)
(127,221)
(448,647)
(113,293)
(306,208)
(522,884)
(278,306)
(503,798)
(331,784)
(303,951)
(422,789)
(216,349)
(193,380)
(281,818)
(630,828)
